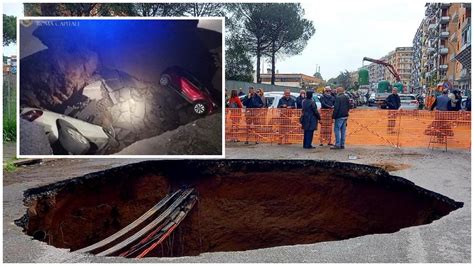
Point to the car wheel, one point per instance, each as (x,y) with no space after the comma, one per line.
(71,139)
(200,108)
(165,79)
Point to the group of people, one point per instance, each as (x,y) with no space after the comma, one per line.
(310,117)
(335,105)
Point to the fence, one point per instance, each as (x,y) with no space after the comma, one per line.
(404,128)
(9,96)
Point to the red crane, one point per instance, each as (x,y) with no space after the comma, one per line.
(390,68)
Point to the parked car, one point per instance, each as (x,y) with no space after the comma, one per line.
(463,102)
(189,88)
(273,97)
(409,102)
(371,100)
(69,135)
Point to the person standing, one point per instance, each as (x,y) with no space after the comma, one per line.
(327,106)
(393,104)
(285,104)
(440,126)
(309,121)
(300,99)
(235,106)
(340,116)
(261,93)
(455,101)
(252,101)
(241,92)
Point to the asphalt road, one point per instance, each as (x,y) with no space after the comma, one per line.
(445,240)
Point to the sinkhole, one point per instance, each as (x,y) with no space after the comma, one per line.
(241,204)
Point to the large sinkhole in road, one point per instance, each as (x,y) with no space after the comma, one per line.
(242,204)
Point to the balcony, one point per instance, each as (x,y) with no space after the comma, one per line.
(432,26)
(443,51)
(444,20)
(444,34)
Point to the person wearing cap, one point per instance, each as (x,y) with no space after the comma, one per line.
(327,105)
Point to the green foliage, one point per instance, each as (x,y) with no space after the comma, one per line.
(9,166)
(9,30)
(318,75)
(343,80)
(238,63)
(9,130)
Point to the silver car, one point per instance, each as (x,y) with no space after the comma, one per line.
(408,102)
(75,136)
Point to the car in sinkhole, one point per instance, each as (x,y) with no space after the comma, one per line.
(70,136)
(189,88)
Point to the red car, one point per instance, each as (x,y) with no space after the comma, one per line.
(188,87)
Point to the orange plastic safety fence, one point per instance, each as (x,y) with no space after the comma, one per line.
(403,128)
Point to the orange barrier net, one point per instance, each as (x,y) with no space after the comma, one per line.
(404,128)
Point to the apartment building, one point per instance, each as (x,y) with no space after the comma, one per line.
(291,80)
(419,57)
(443,47)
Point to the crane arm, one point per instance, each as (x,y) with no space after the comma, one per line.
(390,68)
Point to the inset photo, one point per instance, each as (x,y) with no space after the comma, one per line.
(120,87)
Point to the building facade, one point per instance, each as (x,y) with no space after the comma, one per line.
(442,46)
(292,80)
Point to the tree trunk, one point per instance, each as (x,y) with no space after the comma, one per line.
(273,63)
(258,64)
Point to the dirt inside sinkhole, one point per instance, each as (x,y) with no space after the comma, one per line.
(242,204)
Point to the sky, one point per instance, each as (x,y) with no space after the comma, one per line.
(346,31)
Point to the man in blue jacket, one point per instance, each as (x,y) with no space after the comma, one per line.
(252,101)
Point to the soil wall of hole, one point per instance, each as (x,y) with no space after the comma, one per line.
(242,204)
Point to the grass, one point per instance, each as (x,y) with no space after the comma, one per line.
(9,166)
(9,130)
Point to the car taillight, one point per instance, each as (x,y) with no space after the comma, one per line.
(415,102)
(32,115)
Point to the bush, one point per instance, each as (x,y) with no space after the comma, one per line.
(9,130)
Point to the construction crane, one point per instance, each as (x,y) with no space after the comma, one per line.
(390,68)
(383,87)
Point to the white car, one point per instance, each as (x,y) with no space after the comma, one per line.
(74,136)
(273,97)
(408,102)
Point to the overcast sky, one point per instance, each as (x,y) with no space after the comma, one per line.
(346,31)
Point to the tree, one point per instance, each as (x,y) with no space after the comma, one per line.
(318,75)
(161,9)
(205,9)
(342,80)
(238,63)
(9,30)
(289,31)
(252,24)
